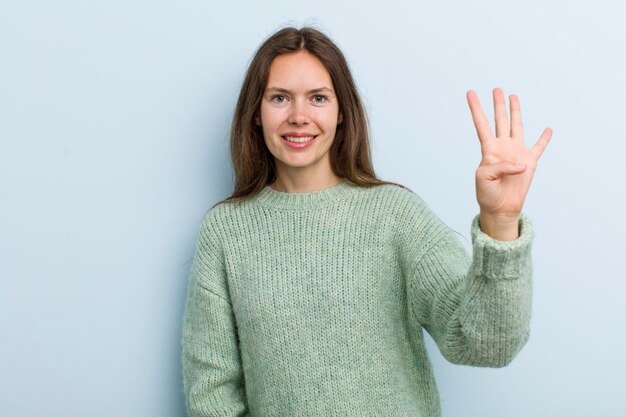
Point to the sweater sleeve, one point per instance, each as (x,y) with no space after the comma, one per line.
(476,308)
(212,372)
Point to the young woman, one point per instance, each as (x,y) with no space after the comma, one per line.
(312,283)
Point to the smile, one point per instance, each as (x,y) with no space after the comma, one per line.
(298,142)
(299,139)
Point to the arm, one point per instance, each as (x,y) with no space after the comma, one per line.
(477,309)
(212,373)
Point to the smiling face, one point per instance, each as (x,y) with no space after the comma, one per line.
(299,115)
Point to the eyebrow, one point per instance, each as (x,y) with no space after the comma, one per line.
(283,90)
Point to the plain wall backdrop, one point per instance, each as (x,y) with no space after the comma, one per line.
(114,124)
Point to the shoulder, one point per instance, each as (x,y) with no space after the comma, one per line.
(412,216)
(215,221)
(401,207)
(396,199)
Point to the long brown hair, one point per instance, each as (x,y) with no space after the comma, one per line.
(252,162)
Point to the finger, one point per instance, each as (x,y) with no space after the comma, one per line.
(517,128)
(502,120)
(542,143)
(478,116)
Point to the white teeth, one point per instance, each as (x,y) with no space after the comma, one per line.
(298,140)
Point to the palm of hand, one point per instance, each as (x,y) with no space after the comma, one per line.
(502,185)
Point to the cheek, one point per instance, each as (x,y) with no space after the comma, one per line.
(272,119)
(328,117)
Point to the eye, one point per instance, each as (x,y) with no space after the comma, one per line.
(278,96)
(320,98)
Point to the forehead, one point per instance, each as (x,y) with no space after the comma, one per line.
(298,70)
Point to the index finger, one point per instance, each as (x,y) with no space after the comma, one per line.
(478,116)
(517,127)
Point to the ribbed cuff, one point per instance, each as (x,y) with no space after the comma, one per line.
(497,259)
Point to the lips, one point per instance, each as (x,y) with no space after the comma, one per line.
(299,139)
(298,134)
(298,142)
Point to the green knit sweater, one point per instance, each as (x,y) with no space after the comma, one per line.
(314,304)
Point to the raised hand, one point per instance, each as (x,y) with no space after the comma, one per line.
(507,166)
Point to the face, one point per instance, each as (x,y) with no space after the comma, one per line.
(299,114)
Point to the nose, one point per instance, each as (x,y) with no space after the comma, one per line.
(299,113)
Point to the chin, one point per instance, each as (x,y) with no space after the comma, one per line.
(291,163)
(298,165)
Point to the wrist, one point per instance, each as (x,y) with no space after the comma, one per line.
(498,227)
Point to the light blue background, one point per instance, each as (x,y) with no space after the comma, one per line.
(114,122)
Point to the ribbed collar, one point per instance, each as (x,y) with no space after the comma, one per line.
(278,199)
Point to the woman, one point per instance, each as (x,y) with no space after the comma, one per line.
(312,283)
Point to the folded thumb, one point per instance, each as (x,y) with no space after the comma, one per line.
(506,168)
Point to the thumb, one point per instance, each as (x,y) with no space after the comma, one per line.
(500,169)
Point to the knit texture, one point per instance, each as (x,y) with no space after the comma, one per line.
(314,304)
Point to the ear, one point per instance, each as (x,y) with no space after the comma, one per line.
(340,119)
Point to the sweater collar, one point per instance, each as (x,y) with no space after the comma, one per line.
(307,200)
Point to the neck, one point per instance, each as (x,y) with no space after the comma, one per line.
(274,199)
(305,183)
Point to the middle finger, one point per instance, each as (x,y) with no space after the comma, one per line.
(502,119)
